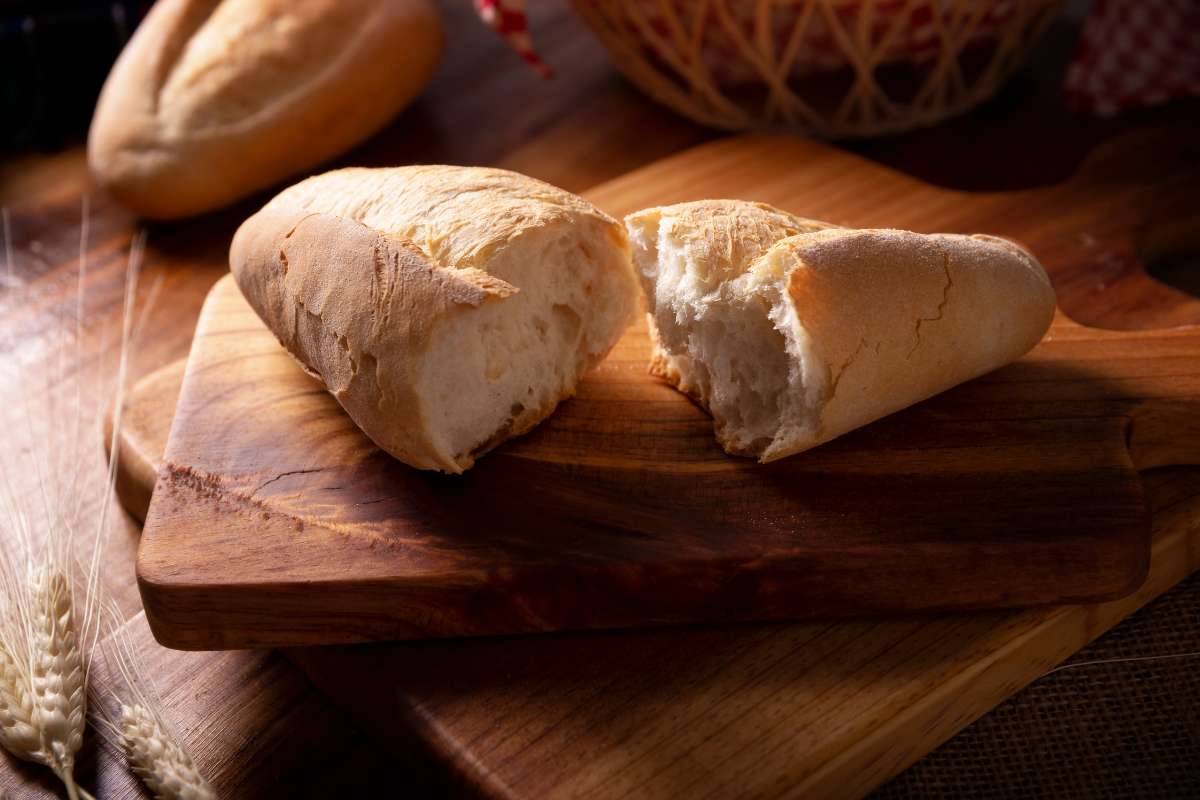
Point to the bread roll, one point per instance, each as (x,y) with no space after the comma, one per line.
(446,308)
(792,332)
(212,100)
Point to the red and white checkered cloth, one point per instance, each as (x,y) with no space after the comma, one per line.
(1132,53)
(1135,54)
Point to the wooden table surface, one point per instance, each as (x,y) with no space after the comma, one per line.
(254,720)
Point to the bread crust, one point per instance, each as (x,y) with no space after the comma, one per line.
(895,317)
(212,100)
(353,269)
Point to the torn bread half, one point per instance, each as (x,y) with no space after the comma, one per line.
(446,308)
(791,332)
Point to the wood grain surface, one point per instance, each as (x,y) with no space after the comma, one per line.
(583,127)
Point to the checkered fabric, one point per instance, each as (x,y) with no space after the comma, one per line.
(1134,54)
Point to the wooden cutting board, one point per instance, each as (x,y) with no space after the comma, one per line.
(275,522)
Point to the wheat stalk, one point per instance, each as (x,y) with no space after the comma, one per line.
(158,758)
(59,697)
(18,734)
(130,717)
(43,700)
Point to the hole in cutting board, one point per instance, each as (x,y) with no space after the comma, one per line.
(1179,271)
(1171,253)
(1153,284)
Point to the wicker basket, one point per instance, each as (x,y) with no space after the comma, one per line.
(836,68)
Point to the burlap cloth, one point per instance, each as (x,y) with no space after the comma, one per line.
(1120,730)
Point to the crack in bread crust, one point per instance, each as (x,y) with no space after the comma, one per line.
(941,308)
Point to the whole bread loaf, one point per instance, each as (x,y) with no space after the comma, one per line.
(212,100)
(446,308)
(792,332)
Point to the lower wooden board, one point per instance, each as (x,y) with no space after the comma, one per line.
(276,522)
(800,710)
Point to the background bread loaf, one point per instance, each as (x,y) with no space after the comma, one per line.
(214,99)
(792,332)
(446,308)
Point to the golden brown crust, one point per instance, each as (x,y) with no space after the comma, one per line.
(457,216)
(366,353)
(896,317)
(211,100)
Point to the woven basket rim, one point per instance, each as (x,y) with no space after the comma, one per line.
(665,56)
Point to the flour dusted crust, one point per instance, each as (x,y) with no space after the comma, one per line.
(446,308)
(792,332)
(212,100)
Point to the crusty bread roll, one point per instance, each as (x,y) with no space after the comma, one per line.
(212,100)
(792,332)
(446,308)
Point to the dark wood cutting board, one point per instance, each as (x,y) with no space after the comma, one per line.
(274,521)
